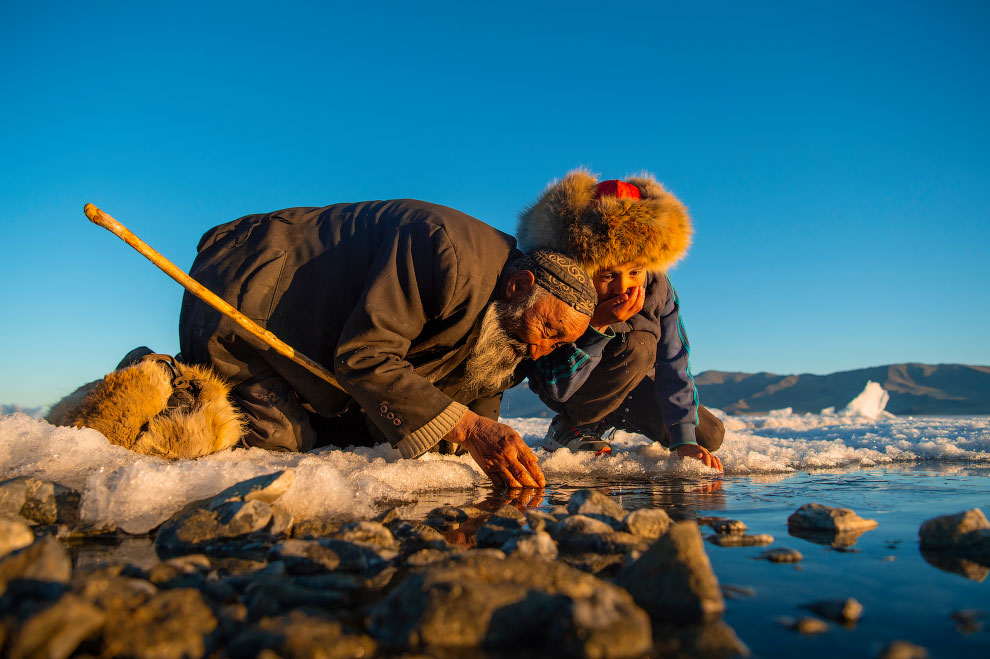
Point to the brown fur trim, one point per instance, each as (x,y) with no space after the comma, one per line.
(654,231)
(131,408)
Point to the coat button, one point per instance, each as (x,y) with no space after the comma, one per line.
(397,422)
(383,409)
(390,415)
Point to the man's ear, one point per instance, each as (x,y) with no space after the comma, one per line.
(519,285)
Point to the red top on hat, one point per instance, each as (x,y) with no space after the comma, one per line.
(617,188)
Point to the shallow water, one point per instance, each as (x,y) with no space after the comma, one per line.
(904,596)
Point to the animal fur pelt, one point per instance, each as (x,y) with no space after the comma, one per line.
(654,231)
(156,406)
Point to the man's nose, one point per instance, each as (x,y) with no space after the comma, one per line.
(627,283)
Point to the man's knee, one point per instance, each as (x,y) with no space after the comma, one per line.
(711,430)
(275,419)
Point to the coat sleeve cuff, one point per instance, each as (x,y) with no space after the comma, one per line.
(429,435)
(681,434)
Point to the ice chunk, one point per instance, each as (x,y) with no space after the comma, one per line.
(869,404)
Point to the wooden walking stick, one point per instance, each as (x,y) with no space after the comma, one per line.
(100,218)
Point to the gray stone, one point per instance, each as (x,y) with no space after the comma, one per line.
(38,501)
(428,557)
(593,503)
(446,517)
(304,556)
(57,631)
(725,526)
(713,640)
(197,529)
(276,595)
(513,604)
(647,522)
(673,579)
(44,560)
(578,525)
(413,536)
(174,623)
(613,542)
(539,520)
(844,611)
(357,556)
(301,634)
(816,517)
(493,535)
(953,531)
(781,555)
(267,488)
(537,545)
(281,521)
(903,650)
(14,535)
(114,592)
(741,540)
(364,531)
(806,625)
(508,516)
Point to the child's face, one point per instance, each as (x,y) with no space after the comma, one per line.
(619,279)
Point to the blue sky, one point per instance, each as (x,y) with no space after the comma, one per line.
(835,157)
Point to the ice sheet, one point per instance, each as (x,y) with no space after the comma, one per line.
(139,492)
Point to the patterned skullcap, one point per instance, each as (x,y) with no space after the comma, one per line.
(563,277)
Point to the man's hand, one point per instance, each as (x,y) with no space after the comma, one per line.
(499,451)
(699,453)
(618,309)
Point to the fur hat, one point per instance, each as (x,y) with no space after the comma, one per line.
(156,406)
(607,224)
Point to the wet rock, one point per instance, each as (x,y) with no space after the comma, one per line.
(816,517)
(304,556)
(38,501)
(647,522)
(115,592)
(271,596)
(478,553)
(741,540)
(613,542)
(903,650)
(267,489)
(805,625)
(299,635)
(314,527)
(843,611)
(673,579)
(414,536)
(357,556)
(197,530)
(575,525)
(539,520)
(595,504)
(712,640)
(347,583)
(732,592)
(43,561)
(969,621)
(963,530)
(725,526)
(363,531)
(174,623)
(781,555)
(425,557)
(538,545)
(282,521)
(504,525)
(595,563)
(386,517)
(512,604)
(446,517)
(14,535)
(57,631)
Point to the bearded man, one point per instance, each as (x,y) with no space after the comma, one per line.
(424,315)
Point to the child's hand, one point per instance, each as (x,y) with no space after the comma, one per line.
(618,309)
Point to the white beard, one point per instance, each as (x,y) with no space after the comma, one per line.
(496,355)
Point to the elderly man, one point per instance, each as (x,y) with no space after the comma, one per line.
(424,314)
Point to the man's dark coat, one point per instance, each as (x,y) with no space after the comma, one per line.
(387,294)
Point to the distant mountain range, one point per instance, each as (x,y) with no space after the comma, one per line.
(913,389)
(33,412)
